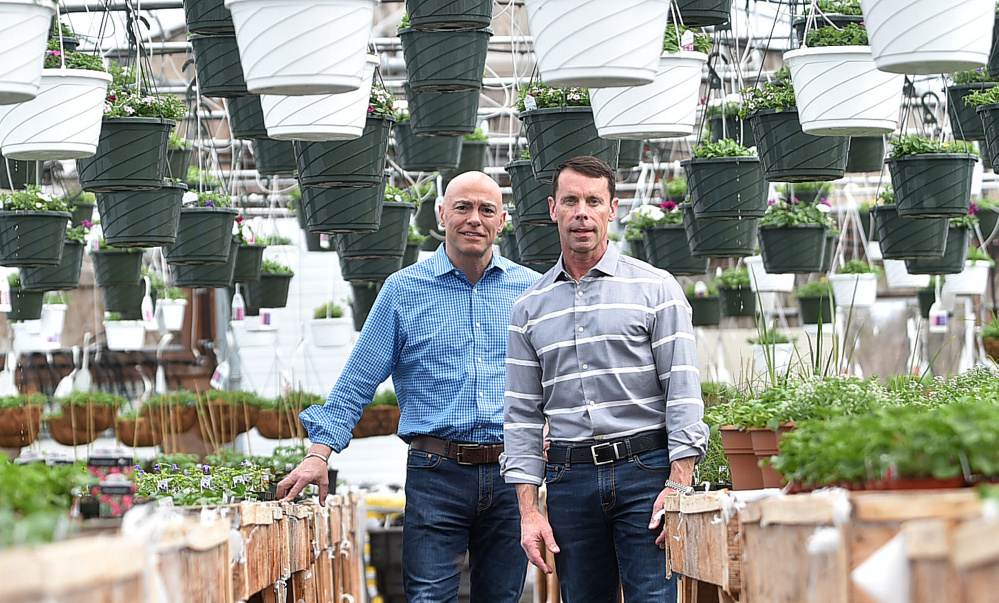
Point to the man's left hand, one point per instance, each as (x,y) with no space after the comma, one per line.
(681,472)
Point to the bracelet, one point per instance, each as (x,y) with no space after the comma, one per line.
(318,456)
(679,487)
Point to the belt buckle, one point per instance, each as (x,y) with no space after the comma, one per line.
(596,449)
(462,448)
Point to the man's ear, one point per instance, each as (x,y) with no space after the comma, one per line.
(551,208)
(613,208)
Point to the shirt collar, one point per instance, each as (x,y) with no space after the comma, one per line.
(607,264)
(440,264)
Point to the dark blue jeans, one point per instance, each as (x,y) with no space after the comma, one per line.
(451,508)
(600,519)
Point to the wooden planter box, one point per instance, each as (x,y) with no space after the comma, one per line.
(704,544)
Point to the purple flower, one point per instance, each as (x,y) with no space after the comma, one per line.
(206,469)
(973,209)
(86,223)
(772,202)
(209,204)
(668,205)
(176,468)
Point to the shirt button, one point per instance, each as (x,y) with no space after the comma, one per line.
(592,402)
(580,329)
(475,290)
(579,293)
(479,359)
(477,324)
(480,394)
(586,366)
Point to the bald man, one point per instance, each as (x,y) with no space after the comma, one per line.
(439,329)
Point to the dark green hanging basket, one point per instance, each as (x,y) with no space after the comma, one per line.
(131,155)
(126,300)
(388,241)
(178,162)
(20,174)
(248,261)
(630,155)
(412,254)
(989,115)
(25,305)
(726,188)
(706,310)
(737,301)
(530,197)
(471,158)
(557,134)
(425,153)
(790,155)
(216,62)
(336,210)
(315,241)
(449,15)
(362,297)
(867,225)
(210,276)
(987,219)
(964,120)
(733,127)
(246,118)
(445,61)
(208,17)
(426,216)
(81,212)
(204,236)
(370,269)
(993,64)
(507,242)
(828,252)
(271,291)
(797,249)
(352,163)
(273,157)
(934,185)
(666,248)
(813,308)
(636,247)
(719,238)
(141,218)
(442,113)
(701,13)
(908,238)
(537,242)
(953,258)
(32,238)
(63,277)
(867,154)
(117,267)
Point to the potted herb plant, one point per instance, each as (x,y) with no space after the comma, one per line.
(704,304)
(816,300)
(380,417)
(735,293)
(91,411)
(931,179)
(65,275)
(718,238)
(64,431)
(530,197)
(31,22)
(330,326)
(133,430)
(986,105)
(665,108)
(964,121)
(170,414)
(24,305)
(442,113)
(955,252)
(793,237)
(665,239)
(559,125)
(424,153)
(773,352)
(990,338)
(835,12)
(444,61)
(974,278)
(32,228)
(725,181)
(204,231)
(271,291)
(123,335)
(856,284)
(279,418)
(904,238)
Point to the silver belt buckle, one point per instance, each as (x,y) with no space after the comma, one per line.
(609,445)
(461,449)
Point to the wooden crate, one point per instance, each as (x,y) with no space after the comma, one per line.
(702,544)
(194,562)
(265,557)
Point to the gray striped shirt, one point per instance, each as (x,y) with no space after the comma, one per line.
(607,357)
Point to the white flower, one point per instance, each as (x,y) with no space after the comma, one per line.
(128,110)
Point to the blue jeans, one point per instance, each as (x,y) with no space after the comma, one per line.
(600,519)
(451,508)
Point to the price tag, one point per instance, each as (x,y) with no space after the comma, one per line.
(529,103)
(687,40)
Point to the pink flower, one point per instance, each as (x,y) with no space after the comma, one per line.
(239,219)
(86,223)
(772,202)
(973,209)
(668,205)
(371,108)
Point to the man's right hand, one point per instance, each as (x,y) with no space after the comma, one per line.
(312,470)
(535,529)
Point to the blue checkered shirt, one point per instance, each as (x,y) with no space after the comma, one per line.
(443,340)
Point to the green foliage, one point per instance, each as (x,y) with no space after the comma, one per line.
(918,145)
(78,233)
(842,7)
(404,24)
(22,401)
(380,103)
(676,187)
(112,317)
(851,35)
(328,310)
(769,337)
(691,290)
(272,267)
(771,95)
(407,195)
(178,143)
(477,136)
(525,155)
(197,176)
(726,147)
(989,330)
(547,97)
(818,188)
(859,267)
(269,240)
(74,60)
(402,115)
(727,108)
(819,288)
(61,28)
(35,499)
(733,278)
(171,399)
(213,199)
(977,98)
(649,216)
(202,485)
(976,254)
(784,213)
(887,196)
(968,221)
(124,99)
(977,76)
(14,280)
(32,199)
(674,36)
(386,397)
(415,236)
(94,398)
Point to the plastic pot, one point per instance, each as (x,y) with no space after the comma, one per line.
(867,154)
(371,269)
(81,212)
(530,197)
(906,238)
(126,300)
(25,305)
(141,218)
(204,235)
(131,155)
(701,13)
(718,238)
(248,261)
(124,335)
(438,15)
(538,242)
(26,29)
(789,155)
(426,153)
(442,113)
(472,158)
(17,174)
(731,126)
(207,275)
(666,248)
(630,155)
(178,161)
(737,301)
(246,118)
(507,242)
(62,277)
(208,17)
(117,267)
(841,21)
(336,210)
(726,187)
(445,61)
(388,241)
(351,163)
(555,135)
(274,157)
(964,120)
(952,261)
(797,249)
(858,290)
(412,254)
(271,291)
(815,308)
(989,115)
(217,66)
(706,310)
(363,296)
(934,185)
(32,238)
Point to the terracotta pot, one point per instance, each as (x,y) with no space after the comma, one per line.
(276,424)
(915,483)
(67,433)
(95,417)
(765,446)
(376,421)
(19,426)
(135,432)
(738,446)
(171,419)
(222,422)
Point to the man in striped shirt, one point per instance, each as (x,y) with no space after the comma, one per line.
(602,349)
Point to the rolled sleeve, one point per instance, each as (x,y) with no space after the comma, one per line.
(523,418)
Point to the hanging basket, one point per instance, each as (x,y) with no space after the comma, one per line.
(840,21)
(62,277)
(388,241)
(352,163)
(271,291)
(277,424)
(178,162)
(471,158)
(630,155)
(557,134)
(719,238)
(204,235)
(764,282)
(537,242)
(812,309)
(141,218)
(19,426)
(737,301)
(117,267)
(172,312)
(839,92)
(136,432)
(455,15)
(934,185)
(126,300)
(989,115)
(867,154)
(445,61)
(790,155)
(207,275)
(702,13)
(797,249)
(273,157)
(288,47)
(897,277)
(412,254)
(248,261)
(63,432)
(25,35)
(208,17)
(338,210)
(935,40)
(665,108)
(725,188)
(426,153)
(952,261)
(246,118)
(81,212)
(362,297)
(17,174)
(124,335)
(507,242)
(32,238)
(331,332)
(829,250)
(597,43)
(857,290)
(706,311)
(442,113)
(666,248)
(907,238)
(972,280)
(636,249)
(530,197)
(733,127)
(217,66)
(25,305)
(964,119)
(62,122)
(320,117)
(368,270)
(131,155)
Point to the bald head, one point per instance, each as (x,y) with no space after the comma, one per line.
(475,181)
(472,215)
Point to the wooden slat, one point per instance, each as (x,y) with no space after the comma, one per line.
(916,504)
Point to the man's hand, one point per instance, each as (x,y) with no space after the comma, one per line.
(534,528)
(681,472)
(312,470)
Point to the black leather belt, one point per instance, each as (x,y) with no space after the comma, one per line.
(465,454)
(608,452)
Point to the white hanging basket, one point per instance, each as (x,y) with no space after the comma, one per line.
(320,117)
(898,276)
(597,43)
(62,122)
(51,322)
(973,280)
(780,355)
(857,290)
(124,335)
(331,332)
(840,92)
(247,336)
(666,108)
(24,32)
(922,37)
(296,47)
(172,311)
(761,280)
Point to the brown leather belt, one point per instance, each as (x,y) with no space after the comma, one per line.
(465,454)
